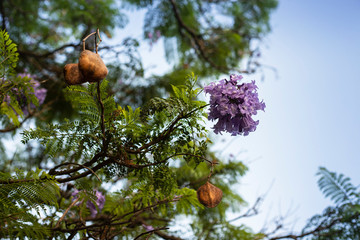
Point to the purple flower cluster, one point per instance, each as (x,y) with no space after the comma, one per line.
(233,105)
(39,92)
(148,227)
(100,202)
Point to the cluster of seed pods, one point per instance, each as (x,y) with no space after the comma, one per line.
(90,68)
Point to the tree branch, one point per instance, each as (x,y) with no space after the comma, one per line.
(10,129)
(197,38)
(317,230)
(87,164)
(114,221)
(94,169)
(66,211)
(31,114)
(251,211)
(150,232)
(166,236)
(47,54)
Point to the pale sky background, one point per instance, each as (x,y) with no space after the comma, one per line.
(312,115)
(313,107)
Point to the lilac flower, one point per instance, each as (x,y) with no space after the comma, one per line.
(148,227)
(25,74)
(39,92)
(100,202)
(75,193)
(233,104)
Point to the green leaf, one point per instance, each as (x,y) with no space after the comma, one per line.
(336,186)
(6,109)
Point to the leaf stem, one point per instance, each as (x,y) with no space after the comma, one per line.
(102,123)
(97,44)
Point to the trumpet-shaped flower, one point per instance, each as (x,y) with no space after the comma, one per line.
(233,104)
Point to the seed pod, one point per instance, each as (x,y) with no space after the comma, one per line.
(72,74)
(209,195)
(92,66)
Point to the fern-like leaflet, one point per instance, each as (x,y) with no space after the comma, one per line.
(8,54)
(22,198)
(337,187)
(12,88)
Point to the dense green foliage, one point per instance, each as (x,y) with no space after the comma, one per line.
(8,59)
(142,143)
(158,152)
(23,197)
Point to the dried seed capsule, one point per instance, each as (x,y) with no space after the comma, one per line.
(92,66)
(209,195)
(72,74)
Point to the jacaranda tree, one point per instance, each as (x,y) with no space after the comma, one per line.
(111,159)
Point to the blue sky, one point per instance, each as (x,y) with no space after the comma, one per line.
(312,115)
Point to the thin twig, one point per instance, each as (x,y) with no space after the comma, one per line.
(66,211)
(97,44)
(91,226)
(197,38)
(100,165)
(251,211)
(166,236)
(64,172)
(9,129)
(316,231)
(212,163)
(31,114)
(151,232)
(83,167)
(87,38)
(4,59)
(137,166)
(47,54)
(139,211)
(116,222)
(102,124)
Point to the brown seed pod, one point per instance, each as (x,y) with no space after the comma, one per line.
(92,66)
(72,74)
(209,195)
